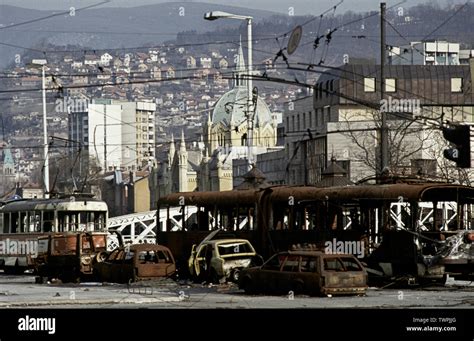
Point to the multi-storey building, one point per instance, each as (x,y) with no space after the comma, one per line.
(343,120)
(118,134)
(434,52)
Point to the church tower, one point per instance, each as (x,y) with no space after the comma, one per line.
(182,165)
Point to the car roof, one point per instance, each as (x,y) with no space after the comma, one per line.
(148,247)
(315,253)
(225,241)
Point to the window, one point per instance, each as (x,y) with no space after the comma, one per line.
(350,264)
(456,84)
(291,264)
(369,84)
(234,248)
(308,264)
(273,263)
(390,85)
(333,264)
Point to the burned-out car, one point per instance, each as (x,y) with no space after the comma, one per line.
(456,254)
(136,262)
(220,260)
(306,272)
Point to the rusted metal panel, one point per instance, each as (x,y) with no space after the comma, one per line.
(224,198)
(63,244)
(389,192)
(409,192)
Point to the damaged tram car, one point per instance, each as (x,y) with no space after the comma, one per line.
(405,232)
(56,237)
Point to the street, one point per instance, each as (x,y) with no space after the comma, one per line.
(22,292)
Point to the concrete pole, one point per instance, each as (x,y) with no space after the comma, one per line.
(45,136)
(250,112)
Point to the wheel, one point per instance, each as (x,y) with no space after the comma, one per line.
(297,288)
(235,275)
(70,276)
(14,270)
(101,256)
(248,286)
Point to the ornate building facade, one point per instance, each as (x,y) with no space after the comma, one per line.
(208,166)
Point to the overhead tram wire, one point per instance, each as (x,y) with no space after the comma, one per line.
(137,48)
(175,46)
(446,20)
(268,37)
(357,20)
(52,16)
(277,80)
(192,77)
(374,106)
(375,13)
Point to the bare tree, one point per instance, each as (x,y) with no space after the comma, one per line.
(408,138)
(446,168)
(74,172)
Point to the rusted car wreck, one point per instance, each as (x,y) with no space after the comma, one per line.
(306,272)
(220,260)
(135,263)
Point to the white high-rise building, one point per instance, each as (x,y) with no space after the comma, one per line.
(138,134)
(118,134)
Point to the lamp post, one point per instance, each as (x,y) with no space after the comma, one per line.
(250,114)
(45,128)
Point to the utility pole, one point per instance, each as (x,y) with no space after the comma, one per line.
(383,128)
(250,114)
(45,136)
(105,138)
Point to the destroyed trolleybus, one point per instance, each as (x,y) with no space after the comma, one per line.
(411,231)
(67,232)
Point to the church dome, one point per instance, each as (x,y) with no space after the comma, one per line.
(231,109)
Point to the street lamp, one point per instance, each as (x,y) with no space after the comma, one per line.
(45,130)
(217,15)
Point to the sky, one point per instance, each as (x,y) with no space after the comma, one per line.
(299,7)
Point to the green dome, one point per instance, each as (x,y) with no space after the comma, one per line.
(232,106)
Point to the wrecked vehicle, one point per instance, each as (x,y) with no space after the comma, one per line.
(135,263)
(69,256)
(220,260)
(457,255)
(306,272)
